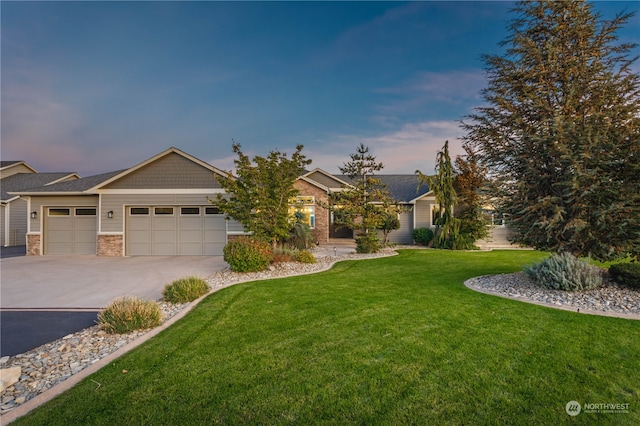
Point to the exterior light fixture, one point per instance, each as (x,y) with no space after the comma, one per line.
(34,215)
(110,214)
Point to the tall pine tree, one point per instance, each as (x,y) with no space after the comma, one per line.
(560,131)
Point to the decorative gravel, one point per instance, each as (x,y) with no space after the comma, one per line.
(609,299)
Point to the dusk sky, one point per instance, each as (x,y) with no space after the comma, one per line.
(93,87)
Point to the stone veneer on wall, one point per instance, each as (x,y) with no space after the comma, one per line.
(110,245)
(33,245)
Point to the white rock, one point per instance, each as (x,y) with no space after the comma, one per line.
(9,376)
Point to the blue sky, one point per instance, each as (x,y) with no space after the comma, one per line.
(99,86)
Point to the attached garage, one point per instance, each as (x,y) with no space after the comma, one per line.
(174,230)
(70,230)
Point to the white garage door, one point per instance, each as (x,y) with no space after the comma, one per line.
(70,230)
(175,230)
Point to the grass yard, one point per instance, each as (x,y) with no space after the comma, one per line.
(389,341)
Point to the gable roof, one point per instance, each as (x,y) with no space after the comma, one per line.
(326,179)
(77,186)
(402,188)
(21,182)
(7,164)
(165,153)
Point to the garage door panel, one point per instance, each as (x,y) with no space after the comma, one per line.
(186,232)
(70,234)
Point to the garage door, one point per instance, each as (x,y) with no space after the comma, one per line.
(175,230)
(70,230)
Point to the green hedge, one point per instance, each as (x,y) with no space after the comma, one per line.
(247,255)
(626,273)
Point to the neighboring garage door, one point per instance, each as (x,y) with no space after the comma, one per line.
(70,230)
(175,230)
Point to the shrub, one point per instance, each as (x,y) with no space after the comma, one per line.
(282,255)
(300,236)
(185,290)
(247,255)
(422,236)
(565,272)
(626,274)
(368,243)
(304,257)
(127,314)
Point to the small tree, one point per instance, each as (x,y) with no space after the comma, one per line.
(261,195)
(390,223)
(364,206)
(469,183)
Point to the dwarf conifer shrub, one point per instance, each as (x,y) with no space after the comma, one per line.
(565,272)
(422,236)
(304,257)
(247,255)
(127,314)
(185,290)
(626,273)
(368,243)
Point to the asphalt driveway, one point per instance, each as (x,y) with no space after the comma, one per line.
(91,282)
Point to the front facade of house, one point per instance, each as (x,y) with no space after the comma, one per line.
(162,207)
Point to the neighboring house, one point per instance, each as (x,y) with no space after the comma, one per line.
(17,176)
(158,207)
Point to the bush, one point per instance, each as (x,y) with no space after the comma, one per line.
(185,290)
(304,257)
(626,274)
(300,236)
(422,236)
(282,255)
(368,243)
(247,255)
(565,272)
(127,314)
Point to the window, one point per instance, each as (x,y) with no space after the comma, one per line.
(85,212)
(211,210)
(160,211)
(189,210)
(59,212)
(304,209)
(139,210)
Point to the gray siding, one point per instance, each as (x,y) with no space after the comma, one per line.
(423,213)
(58,201)
(325,180)
(403,235)
(170,172)
(18,223)
(2,225)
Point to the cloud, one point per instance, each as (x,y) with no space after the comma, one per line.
(403,151)
(455,88)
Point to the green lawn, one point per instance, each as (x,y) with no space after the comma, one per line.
(395,340)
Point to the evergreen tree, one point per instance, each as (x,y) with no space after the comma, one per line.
(560,132)
(364,206)
(260,197)
(447,229)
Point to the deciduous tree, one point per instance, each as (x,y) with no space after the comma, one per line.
(260,197)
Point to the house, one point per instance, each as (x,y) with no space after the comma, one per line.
(158,207)
(163,206)
(17,176)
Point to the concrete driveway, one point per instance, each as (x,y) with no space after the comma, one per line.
(91,282)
